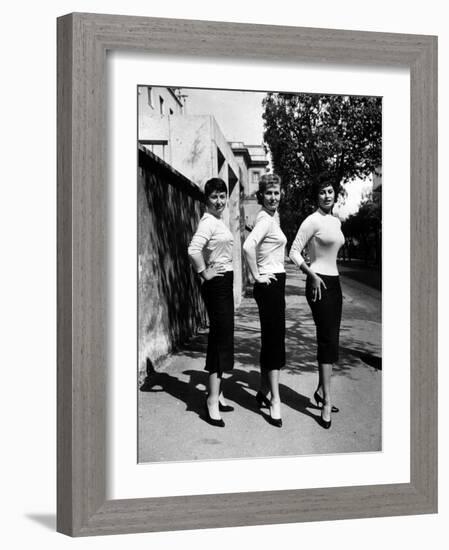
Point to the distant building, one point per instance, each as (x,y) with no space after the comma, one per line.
(154,100)
(157,102)
(253,163)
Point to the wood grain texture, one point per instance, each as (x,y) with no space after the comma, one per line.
(64,277)
(424,276)
(83,40)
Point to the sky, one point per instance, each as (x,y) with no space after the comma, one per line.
(239,116)
(356,190)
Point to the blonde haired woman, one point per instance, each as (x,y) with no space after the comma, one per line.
(264,249)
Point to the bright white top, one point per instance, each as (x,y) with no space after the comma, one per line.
(322,233)
(212,243)
(269,241)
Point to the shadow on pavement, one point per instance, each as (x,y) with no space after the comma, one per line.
(193,397)
(239,386)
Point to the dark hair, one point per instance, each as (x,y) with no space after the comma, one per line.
(319,184)
(267,180)
(214,184)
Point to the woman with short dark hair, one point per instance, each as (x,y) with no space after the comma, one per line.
(321,233)
(211,251)
(264,249)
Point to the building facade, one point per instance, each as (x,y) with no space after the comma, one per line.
(253,163)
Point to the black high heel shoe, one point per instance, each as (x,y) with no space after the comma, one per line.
(325,423)
(212,421)
(225,408)
(222,408)
(320,402)
(262,400)
(275,421)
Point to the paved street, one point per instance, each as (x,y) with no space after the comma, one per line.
(171,424)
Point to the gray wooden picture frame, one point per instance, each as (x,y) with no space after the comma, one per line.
(83,40)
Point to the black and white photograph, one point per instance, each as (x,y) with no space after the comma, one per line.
(259,238)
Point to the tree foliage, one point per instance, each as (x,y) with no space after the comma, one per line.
(320,137)
(367,220)
(365,227)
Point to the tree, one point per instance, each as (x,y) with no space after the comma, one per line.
(365,226)
(320,137)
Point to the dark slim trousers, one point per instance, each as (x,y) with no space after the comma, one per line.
(218,296)
(270,299)
(327,316)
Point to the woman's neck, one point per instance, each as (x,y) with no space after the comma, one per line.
(270,212)
(214,214)
(325,212)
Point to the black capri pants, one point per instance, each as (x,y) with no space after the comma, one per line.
(270,299)
(327,316)
(218,296)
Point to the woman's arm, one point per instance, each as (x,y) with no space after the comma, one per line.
(256,236)
(305,233)
(317,281)
(195,251)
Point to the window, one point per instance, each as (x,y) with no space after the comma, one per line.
(156,146)
(150,96)
(159,150)
(161,105)
(171,111)
(256,177)
(220,160)
(232,180)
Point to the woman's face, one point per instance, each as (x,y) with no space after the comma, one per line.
(326,198)
(272,197)
(216,202)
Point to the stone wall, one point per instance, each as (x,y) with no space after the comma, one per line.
(170,308)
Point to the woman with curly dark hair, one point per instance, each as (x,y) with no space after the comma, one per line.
(321,233)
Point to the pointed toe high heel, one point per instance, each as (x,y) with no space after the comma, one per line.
(325,423)
(262,400)
(225,408)
(275,421)
(320,401)
(222,407)
(219,423)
